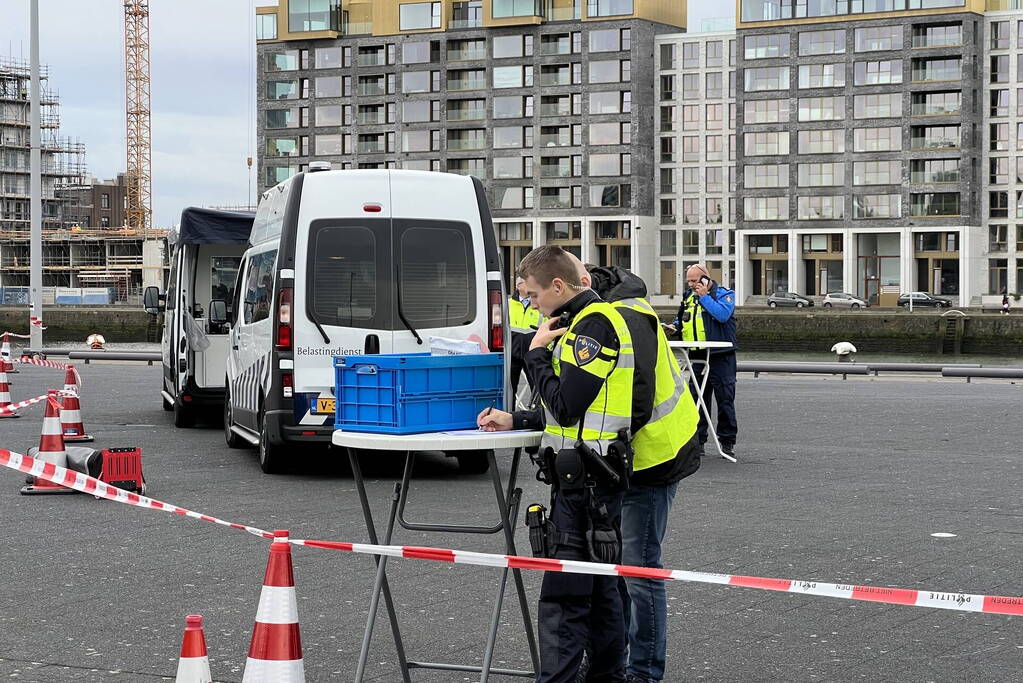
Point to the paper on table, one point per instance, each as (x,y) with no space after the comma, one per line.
(479,432)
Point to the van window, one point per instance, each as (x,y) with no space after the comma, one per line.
(347,258)
(437,273)
(223,274)
(270,215)
(259,287)
(171,299)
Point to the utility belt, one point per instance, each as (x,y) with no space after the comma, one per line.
(581,469)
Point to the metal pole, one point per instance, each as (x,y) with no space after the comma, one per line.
(36,190)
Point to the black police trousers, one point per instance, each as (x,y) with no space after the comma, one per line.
(580,611)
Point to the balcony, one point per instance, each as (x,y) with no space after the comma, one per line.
(668,219)
(371,118)
(372,89)
(556,109)
(467,55)
(555,202)
(925,109)
(933,177)
(465,23)
(371,59)
(668,188)
(461,84)
(467,114)
(555,140)
(467,171)
(375,147)
(555,79)
(560,48)
(934,143)
(562,171)
(461,145)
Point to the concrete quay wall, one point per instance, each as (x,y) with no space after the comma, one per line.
(75,323)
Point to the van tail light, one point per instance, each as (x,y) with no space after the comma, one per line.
(287,384)
(284,301)
(496,320)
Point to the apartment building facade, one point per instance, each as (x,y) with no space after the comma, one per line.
(549,102)
(696,159)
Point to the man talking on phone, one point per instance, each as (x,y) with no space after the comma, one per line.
(707,313)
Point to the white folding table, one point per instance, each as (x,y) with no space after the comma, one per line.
(687,347)
(507,498)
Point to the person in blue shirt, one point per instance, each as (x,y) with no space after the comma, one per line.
(707,313)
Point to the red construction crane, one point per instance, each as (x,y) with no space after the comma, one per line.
(139,138)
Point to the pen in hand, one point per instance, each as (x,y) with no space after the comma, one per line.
(489,410)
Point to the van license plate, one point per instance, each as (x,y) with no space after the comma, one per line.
(325,406)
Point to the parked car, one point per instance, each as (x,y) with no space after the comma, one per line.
(840,299)
(923,299)
(788,299)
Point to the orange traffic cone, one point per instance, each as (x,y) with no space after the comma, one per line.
(71,413)
(194,665)
(5,353)
(51,449)
(5,393)
(275,655)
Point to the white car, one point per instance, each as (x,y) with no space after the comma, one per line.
(841,299)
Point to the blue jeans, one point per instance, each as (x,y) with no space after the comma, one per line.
(644,522)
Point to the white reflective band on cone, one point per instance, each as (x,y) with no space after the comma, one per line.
(267,671)
(193,670)
(277,605)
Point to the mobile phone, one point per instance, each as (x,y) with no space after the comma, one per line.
(705,280)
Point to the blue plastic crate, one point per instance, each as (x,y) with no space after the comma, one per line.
(411,393)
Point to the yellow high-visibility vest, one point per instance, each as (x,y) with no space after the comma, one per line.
(520,317)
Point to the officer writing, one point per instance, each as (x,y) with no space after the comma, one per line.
(707,313)
(581,363)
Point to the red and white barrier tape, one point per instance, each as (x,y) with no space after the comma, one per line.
(36,322)
(40,362)
(15,335)
(963,602)
(32,401)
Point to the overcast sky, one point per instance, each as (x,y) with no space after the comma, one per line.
(202,91)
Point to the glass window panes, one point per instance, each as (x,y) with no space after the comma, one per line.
(821,108)
(821,75)
(877,73)
(766,208)
(821,175)
(608,71)
(820,208)
(887,139)
(605,133)
(418,15)
(415,81)
(877,172)
(605,164)
(887,105)
(766,111)
(822,42)
(766,46)
(608,40)
(506,137)
(766,144)
(508,107)
(767,78)
(877,206)
(823,141)
(606,102)
(415,111)
(508,167)
(765,175)
(878,38)
(329,115)
(417,53)
(509,76)
(507,46)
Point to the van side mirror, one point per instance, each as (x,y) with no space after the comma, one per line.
(218,312)
(151,300)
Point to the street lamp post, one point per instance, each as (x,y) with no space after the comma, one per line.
(36,192)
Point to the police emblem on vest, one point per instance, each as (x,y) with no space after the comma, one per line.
(586,349)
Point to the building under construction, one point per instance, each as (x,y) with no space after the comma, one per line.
(86,244)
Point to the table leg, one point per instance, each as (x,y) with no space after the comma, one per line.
(380,584)
(701,404)
(509,538)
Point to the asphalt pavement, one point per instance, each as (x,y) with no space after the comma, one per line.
(837,481)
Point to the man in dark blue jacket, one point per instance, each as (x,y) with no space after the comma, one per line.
(707,313)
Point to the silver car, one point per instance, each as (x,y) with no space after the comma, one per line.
(840,299)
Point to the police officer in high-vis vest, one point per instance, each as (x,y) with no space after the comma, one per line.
(582,365)
(707,313)
(664,421)
(523,320)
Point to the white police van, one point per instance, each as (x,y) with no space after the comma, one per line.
(352,262)
(206,251)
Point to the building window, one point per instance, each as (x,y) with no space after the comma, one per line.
(766,111)
(313,15)
(715,85)
(104,201)
(888,139)
(999,141)
(288,60)
(938,35)
(513,76)
(608,40)
(608,8)
(765,175)
(878,73)
(466,138)
(821,175)
(877,172)
(266,26)
(998,276)
(821,75)
(820,208)
(328,58)
(823,141)
(936,103)
(466,14)
(510,167)
(998,207)
(765,208)
(1000,69)
(934,171)
(822,42)
(999,35)
(766,47)
(937,69)
(690,55)
(613,71)
(767,78)
(877,206)
(878,38)
(821,108)
(413,16)
(888,105)
(999,171)
(610,195)
(766,144)
(931,137)
(104,221)
(609,102)
(934,204)
(511,46)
